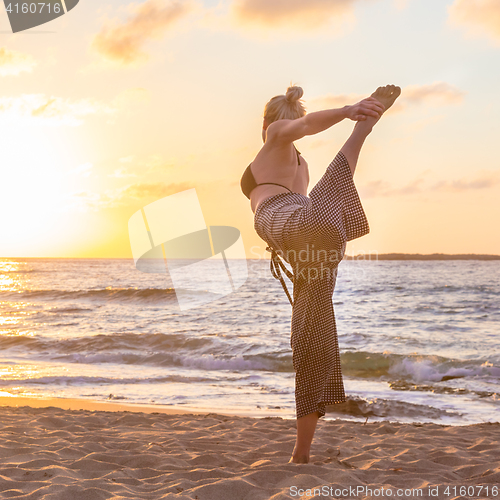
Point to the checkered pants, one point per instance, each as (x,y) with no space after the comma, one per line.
(310,233)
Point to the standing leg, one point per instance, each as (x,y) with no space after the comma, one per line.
(316,357)
(305,433)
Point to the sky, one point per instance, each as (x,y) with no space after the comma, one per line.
(118,104)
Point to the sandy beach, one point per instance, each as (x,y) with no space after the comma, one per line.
(103,451)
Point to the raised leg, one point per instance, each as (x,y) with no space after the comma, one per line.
(353,145)
(335,212)
(386,95)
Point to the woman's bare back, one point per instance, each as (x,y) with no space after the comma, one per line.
(278,164)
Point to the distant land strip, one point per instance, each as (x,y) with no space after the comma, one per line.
(419,256)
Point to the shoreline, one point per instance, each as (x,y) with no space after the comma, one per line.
(103,406)
(112,406)
(83,404)
(76,404)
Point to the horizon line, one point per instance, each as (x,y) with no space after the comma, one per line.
(366,256)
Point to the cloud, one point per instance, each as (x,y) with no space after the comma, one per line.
(131,166)
(122,43)
(479,17)
(485,180)
(155,163)
(84,201)
(307,15)
(375,189)
(437,93)
(32,109)
(12,62)
(51,111)
(154,190)
(121,173)
(379,188)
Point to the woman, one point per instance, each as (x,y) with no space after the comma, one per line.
(310,233)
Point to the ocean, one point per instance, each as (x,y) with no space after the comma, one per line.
(419,340)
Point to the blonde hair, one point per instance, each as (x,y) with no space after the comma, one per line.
(285,107)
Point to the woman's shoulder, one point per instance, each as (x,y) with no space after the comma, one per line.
(284,132)
(274,129)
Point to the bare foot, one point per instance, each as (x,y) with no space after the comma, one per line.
(299,459)
(387,95)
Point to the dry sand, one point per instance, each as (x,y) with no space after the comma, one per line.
(72,454)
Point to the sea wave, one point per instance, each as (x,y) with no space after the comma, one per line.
(103,294)
(382,407)
(413,367)
(89,380)
(143,342)
(213,353)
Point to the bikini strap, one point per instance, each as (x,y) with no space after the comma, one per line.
(275,266)
(298,154)
(274,184)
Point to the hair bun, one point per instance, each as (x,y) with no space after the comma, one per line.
(293,94)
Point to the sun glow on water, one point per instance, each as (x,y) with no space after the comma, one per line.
(6,283)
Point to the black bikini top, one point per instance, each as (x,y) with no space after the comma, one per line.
(248,182)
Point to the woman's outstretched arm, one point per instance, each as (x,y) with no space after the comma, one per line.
(287,131)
